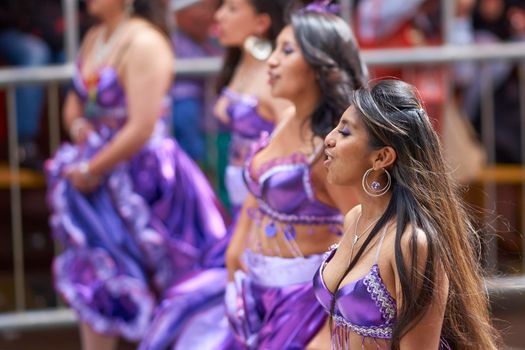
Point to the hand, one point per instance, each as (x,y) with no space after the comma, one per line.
(80,130)
(234,261)
(80,178)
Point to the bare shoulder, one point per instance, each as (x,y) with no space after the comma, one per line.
(414,235)
(149,42)
(352,214)
(414,241)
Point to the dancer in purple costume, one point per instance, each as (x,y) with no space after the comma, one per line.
(405,271)
(194,313)
(247,28)
(131,210)
(292,214)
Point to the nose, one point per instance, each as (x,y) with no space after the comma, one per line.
(329,141)
(218,14)
(272,60)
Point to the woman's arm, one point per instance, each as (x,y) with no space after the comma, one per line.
(148,74)
(426,332)
(239,237)
(77,126)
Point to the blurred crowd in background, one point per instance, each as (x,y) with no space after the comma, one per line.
(32,34)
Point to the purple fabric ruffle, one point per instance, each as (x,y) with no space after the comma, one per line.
(150,222)
(273,317)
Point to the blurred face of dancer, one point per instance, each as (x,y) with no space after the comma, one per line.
(347,151)
(196,20)
(237,20)
(290,75)
(104,8)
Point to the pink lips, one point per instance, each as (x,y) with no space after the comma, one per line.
(328,159)
(272,78)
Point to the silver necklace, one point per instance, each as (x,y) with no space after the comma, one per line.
(102,49)
(356,236)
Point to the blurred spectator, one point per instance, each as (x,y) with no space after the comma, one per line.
(31,35)
(497,21)
(405,23)
(19,47)
(191,39)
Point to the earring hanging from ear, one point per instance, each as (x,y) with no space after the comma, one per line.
(374,188)
(259,48)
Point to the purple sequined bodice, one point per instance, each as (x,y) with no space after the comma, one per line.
(284,190)
(245,121)
(103,95)
(364,306)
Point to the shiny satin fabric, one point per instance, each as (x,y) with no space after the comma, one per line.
(269,313)
(364,305)
(147,224)
(245,126)
(283,186)
(192,315)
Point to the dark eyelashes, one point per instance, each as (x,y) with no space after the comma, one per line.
(287,50)
(344,131)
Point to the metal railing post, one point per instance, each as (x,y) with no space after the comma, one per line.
(71,32)
(16,201)
(489,141)
(53,116)
(347,10)
(522,134)
(448,14)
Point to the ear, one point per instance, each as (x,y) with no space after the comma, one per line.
(263,22)
(384,158)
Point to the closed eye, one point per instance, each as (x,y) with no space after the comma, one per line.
(287,49)
(344,131)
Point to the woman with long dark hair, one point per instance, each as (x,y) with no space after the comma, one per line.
(292,214)
(247,28)
(131,210)
(405,274)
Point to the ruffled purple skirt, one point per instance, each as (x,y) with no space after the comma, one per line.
(273,306)
(124,245)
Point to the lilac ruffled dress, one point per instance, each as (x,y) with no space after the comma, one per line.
(194,312)
(147,224)
(246,126)
(272,305)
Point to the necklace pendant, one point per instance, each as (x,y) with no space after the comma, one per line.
(356,238)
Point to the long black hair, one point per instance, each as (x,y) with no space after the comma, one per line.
(278,11)
(329,47)
(424,197)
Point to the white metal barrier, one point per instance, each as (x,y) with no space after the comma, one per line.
(52,76)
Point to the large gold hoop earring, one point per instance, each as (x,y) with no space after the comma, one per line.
(374,188)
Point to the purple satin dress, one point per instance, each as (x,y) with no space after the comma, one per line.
(364,307)
(272,305)
(246,126)
(148,223)
(193,311)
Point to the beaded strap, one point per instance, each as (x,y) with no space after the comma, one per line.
(298,219)
(376,288)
